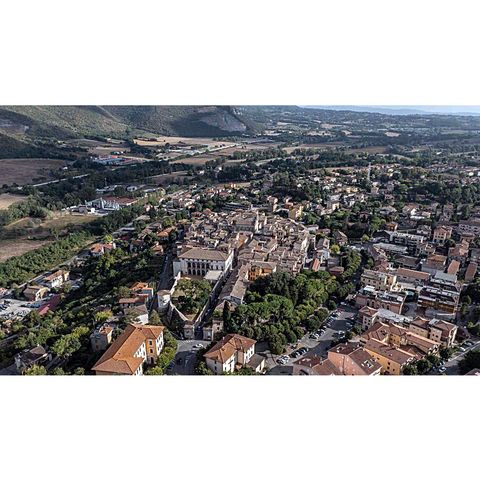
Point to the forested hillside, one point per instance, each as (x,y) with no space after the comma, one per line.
(24,128)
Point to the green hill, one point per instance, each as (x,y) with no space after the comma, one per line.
(24,128)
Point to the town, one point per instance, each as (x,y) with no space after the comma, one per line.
(249,257)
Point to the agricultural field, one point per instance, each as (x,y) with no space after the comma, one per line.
(185,141)
(28,233)
(196,159)
(335,145)
(14,248)
(23,171)
(166,178)
(7,199)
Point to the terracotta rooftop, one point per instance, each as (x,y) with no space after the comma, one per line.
(227,347)
(119,358)
(395,354)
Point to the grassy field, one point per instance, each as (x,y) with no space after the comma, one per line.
(63,220)
(14,248)
(58,221)
(23,171)
(16,238)
(7,199)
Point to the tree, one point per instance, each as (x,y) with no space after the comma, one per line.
(433,359)
(154,318)
(423,366)
(276,345)
(410,369)
(154,371)
(202,369)
(446,353)
(331,305)
(35,370)
(66,346)
(470,361)
(335,249)
(242,371)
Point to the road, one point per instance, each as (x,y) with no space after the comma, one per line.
(58,180)
(165,280)
(452,365)
(185,358)
(318,347)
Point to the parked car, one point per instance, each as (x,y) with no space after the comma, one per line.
(198,345)
(442,370)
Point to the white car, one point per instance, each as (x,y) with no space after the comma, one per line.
(198,345)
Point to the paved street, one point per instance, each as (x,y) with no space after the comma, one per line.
(185,357)
(319,347)
(165,279)
(452,364)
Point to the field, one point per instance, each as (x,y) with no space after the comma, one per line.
(333,146)
(196,160)
(186,141)
(15,238)
(166,178)
(58,221)
(23,171)
(13,248)
(7,199)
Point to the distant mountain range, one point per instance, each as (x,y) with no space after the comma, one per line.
(405,109)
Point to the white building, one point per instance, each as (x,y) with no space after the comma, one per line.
(198,261)
(232,352)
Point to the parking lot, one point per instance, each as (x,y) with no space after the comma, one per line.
(337,321)
(11,309)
